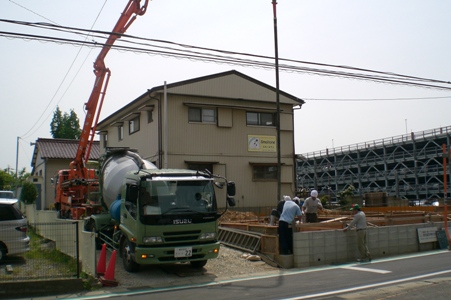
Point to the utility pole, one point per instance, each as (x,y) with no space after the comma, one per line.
(17,156)
(279,197)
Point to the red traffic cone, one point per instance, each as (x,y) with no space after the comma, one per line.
(108,279)
(101,265)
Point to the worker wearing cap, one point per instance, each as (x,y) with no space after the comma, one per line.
(311,206)
(359,221)
(289,212)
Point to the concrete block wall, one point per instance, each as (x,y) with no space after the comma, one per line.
(316,248)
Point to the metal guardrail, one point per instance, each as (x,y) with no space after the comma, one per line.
(244,240)
(421,135)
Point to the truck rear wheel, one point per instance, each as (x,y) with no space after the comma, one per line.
(198,264)
(127,251)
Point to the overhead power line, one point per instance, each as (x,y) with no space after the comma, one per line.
(41,120)
(160,47)
(378,99)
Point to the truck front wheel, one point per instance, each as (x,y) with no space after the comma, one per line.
(127,257)
(198,264)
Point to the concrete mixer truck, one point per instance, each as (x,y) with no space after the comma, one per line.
(157,216)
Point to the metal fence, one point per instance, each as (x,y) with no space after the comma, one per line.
(52,253)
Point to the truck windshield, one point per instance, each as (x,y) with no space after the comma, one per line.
(160,197)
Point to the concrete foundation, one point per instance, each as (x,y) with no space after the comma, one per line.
(335,246)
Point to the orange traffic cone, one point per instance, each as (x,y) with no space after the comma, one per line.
(101,265)
(108,279)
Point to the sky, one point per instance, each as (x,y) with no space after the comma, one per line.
(408,37)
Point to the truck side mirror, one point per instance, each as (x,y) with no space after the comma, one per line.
(231,201)
(231,190)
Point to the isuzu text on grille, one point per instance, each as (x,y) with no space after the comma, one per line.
(182,221)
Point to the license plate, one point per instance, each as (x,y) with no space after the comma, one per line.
(183,252)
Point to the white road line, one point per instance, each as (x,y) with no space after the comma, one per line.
(369,286)
(367,270)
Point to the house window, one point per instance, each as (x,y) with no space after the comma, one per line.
(200,167)
(264,172)
(202,115)
(120,132)
(105,140)
(133,125)
(150,116)
(260,119)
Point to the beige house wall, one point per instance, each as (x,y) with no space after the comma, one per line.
(145,140)
(45,170)
(224,143)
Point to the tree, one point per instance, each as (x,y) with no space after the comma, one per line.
(345,195)
(29,193)
(65,126)
(8,179)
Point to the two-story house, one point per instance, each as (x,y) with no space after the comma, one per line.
(224,122)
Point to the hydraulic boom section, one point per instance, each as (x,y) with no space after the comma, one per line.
(102,73)
(74,186)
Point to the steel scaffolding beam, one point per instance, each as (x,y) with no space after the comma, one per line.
(407,167)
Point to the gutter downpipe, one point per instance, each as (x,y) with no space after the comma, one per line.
(165,127)
(159,126)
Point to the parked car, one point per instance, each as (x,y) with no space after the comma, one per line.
(6,195)
(13,229)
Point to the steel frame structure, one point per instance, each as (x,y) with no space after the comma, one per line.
(411,166)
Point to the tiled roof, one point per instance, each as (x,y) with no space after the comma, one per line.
(63,148)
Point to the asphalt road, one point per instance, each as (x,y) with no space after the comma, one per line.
(419,276)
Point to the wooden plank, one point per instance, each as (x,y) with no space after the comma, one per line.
(269,244)
(319,226)
(240,226)
(264,229)
(335,220)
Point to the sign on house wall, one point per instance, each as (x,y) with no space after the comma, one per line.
(261,143)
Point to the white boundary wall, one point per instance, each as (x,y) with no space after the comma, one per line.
(66,244)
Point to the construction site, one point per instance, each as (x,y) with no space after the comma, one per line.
(324,242)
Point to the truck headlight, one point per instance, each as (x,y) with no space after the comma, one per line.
(152,239)
(207,235)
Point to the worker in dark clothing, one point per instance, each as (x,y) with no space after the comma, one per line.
(275,213)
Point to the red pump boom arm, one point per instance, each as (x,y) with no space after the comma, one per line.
(93,109)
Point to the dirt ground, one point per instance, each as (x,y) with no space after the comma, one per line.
(231,263)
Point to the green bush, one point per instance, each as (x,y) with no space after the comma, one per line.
(345,196)
(325,201)
(29,193)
